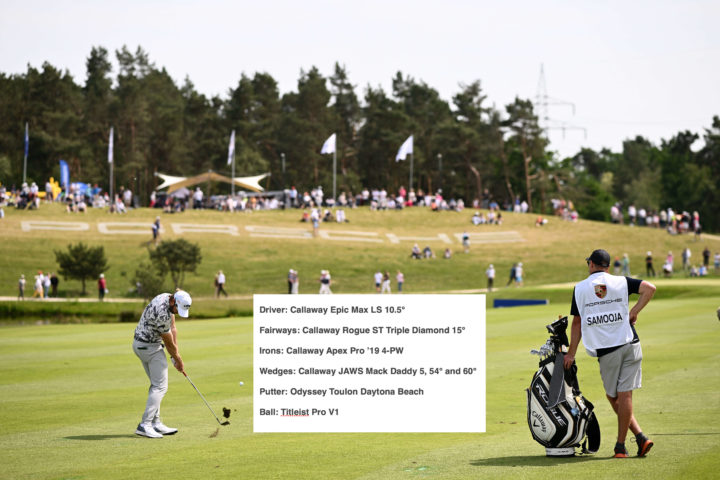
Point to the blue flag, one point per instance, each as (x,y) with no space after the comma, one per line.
(27,140)
(64,174)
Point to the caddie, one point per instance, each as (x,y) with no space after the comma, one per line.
(155,331)
(606,324)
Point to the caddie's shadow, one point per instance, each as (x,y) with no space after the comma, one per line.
(99,437)
(531,461)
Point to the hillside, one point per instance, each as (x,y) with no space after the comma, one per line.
(256,249)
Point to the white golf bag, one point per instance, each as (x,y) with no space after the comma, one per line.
(558,415)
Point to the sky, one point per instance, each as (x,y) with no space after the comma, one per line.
(612,69)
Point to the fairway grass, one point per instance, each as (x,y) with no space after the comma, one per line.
(71,397)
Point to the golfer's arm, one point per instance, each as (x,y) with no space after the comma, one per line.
(173,330)
(170,341)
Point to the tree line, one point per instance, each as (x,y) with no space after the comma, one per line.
(464,147)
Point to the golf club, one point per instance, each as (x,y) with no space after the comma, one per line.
(226,422)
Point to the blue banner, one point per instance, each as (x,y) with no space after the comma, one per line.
(64,174)
(81,188)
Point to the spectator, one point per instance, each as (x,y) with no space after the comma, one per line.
(220,284)
(400,278)
(54,281)
(198,199)
(427,252)
(649,270)
(667,269)
(466,242)
(386,283)
(512,274)
(717,262)
(21,288)
(315,218)
(46,285)
(477,219)
(325,282)
(632,214)
(156,230)
(81,205)
(686,254)
(490,274)
(293,282)
(706,256)
(102,287)
(127,198)
(378,277)
(120,206)
(296,283)
(38,287)
(626,265)
(519,275)
(48,192)
(416,252)
(616,266)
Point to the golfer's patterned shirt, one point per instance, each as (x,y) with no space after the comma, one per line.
(155,320)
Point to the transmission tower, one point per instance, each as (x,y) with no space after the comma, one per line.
(542,104)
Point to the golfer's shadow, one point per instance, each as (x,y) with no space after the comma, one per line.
(99,437)
(531,461)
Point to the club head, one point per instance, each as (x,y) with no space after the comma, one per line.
(226,422)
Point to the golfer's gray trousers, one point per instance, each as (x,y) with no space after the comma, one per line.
(153,359)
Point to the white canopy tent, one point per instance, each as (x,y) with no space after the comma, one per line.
(173,183)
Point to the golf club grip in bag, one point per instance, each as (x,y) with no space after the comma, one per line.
(558,415)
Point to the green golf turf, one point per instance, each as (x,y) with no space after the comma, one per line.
(71,396)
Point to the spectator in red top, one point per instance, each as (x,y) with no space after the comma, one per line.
(102,287)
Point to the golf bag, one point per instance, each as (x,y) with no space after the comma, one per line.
(558,415)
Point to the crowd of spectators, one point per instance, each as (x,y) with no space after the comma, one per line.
(44,285)
(78,197)
(672,221)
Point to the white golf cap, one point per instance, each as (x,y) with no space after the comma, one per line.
(183,302)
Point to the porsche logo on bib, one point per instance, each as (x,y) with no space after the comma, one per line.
(600,291)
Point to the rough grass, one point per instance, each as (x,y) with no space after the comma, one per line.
(71,395)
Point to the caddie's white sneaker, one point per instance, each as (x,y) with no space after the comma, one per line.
(165,430)
(147,430)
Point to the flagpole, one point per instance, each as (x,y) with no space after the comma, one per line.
(334,171)
(411,171)
(26,153)
(112,165)
(232,187)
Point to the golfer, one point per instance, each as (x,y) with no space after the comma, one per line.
(602,318)
(155,331)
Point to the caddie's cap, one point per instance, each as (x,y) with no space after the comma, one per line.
(183,302)
(599,257)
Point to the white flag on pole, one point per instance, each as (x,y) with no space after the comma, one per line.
(329,145)
(231,148)
(405,148)
(110,146)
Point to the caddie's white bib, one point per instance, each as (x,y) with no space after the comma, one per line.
(602,300)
